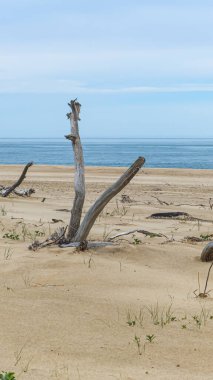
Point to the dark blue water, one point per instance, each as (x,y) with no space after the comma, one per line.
(164,153)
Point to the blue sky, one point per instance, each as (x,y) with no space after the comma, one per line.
(140,68)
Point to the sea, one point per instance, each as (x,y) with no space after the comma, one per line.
(159,153)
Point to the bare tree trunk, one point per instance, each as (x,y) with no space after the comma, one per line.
(6,191)
(77,233)
(79,181)
(101,202)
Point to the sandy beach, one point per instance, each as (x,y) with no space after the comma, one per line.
(126,311)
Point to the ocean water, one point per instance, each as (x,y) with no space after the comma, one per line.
(164,153)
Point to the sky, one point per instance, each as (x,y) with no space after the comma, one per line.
(140,68)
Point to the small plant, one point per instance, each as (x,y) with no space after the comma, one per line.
(106,232)
(150,338)
(136,241)
(138,343)
(119,210)
(11,235)
(201,319)
(32,235)
(205,292)
(138,318)
(197,320)
(183,327)
(130,320)
(7,376)
(161,317)
(206,237)
(39,233)
(154,313)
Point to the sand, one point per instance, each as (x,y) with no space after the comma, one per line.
(90,315)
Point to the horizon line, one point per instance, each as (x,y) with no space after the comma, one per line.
(108,138)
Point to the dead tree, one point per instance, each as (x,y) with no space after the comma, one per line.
(77,231)
(5,191)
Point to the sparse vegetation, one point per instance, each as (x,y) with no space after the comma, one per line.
(11,235)
(205,293)
(31,235)
(150,338)
(136,241)
(130,320)
(161,317)
(7,376)
(206,237)
(119,210)
(138,318)
(201,318)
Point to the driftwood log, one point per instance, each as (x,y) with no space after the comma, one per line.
(144,232)
(77,231)
(207,252)
(5,191)
(179,215)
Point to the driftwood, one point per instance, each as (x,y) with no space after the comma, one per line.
(195,239)
(102,201)
(177,215)
(177,204)
(160,201)
(207,253)
(147,233)
(93,212)
(5,191)
(76,232)
(88,244)
(56,238)
(79,182)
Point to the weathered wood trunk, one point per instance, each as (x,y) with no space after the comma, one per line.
(6,191)
(101,202)
(207,252)
(77,232)
(79,180)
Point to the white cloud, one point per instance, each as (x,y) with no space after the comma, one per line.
(147,70)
